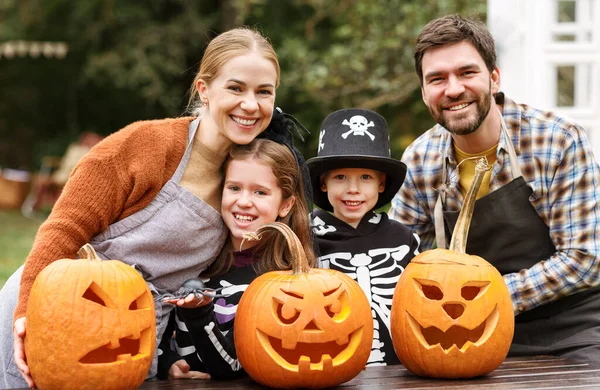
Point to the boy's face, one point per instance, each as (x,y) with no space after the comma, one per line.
(352,192)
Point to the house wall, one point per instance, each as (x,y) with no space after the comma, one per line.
(549,56)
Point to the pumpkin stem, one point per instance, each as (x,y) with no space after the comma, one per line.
(458,243)
(87,252)
(299,261)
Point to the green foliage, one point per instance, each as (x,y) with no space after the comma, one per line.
(352,53)
(131,60)
(127,61)
(16,236)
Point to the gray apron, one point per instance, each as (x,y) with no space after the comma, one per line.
(173,239)
(507,231)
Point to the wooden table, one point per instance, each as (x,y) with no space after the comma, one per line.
(540,372)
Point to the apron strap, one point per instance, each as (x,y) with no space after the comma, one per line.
(514,164)
(438,221)
(438,211)
(186,156)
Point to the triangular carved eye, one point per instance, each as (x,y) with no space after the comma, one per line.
(473,289)
(286,311)
(430,289)
(328,293)
(336,303)
(96,294)
(141,303)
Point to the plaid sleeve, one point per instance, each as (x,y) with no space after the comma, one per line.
(409,208)
(571,178)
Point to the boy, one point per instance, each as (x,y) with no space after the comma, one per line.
(352,176)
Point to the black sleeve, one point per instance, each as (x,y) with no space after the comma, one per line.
(166,355)
(215,347)
(414,246)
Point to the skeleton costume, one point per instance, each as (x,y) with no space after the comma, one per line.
(377,251)
(204,335)
(374,254)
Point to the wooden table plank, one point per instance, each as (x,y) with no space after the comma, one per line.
(539,372)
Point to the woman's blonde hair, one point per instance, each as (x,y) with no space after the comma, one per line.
(230,44)
(272,251)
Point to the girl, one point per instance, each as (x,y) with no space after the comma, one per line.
(263,184)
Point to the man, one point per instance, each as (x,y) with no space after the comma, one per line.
(536,218)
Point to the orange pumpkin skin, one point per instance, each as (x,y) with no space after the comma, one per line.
(282,317)
(303,329)
(452,316)
(76,310)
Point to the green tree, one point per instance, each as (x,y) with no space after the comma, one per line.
(131,60)
(353,53)
(127,61)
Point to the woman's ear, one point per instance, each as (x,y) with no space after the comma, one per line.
(202,88)
(286,206)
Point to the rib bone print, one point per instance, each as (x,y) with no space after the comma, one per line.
(377,273)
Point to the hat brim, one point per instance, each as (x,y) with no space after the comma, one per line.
(395,172)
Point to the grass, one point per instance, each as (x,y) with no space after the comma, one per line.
(16,238)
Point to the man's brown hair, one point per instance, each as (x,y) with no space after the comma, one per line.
(451,29)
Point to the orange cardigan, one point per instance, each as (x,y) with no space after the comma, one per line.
(117,178)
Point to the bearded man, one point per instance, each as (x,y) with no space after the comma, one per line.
(536,218)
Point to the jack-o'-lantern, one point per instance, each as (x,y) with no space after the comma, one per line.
(452,315)
(302,328)
(90,325)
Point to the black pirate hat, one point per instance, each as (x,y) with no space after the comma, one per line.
(355,138)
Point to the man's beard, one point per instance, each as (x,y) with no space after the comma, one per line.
(467,125)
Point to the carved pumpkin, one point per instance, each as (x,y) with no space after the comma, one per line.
(452,315)
(308,328)
(90,325)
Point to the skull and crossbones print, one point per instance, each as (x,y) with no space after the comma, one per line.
(321,143)
(358,126)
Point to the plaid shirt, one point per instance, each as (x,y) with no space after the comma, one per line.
(557,163)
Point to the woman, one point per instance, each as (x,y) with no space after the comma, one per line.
(149,193)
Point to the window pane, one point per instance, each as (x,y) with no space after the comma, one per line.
(565,84)
(563,37)
(566,11)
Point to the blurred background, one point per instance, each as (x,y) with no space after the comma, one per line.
(98,65)
(72,72)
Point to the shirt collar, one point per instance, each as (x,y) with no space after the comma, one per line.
(511,112)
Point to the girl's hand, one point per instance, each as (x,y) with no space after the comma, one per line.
(19,348)
(191,301)
(181,370)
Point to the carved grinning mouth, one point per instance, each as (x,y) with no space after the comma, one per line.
(310,356)
(456,336)
(126,348)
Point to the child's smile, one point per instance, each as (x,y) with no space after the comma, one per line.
(353,192)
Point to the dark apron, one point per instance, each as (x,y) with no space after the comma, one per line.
(507,231)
